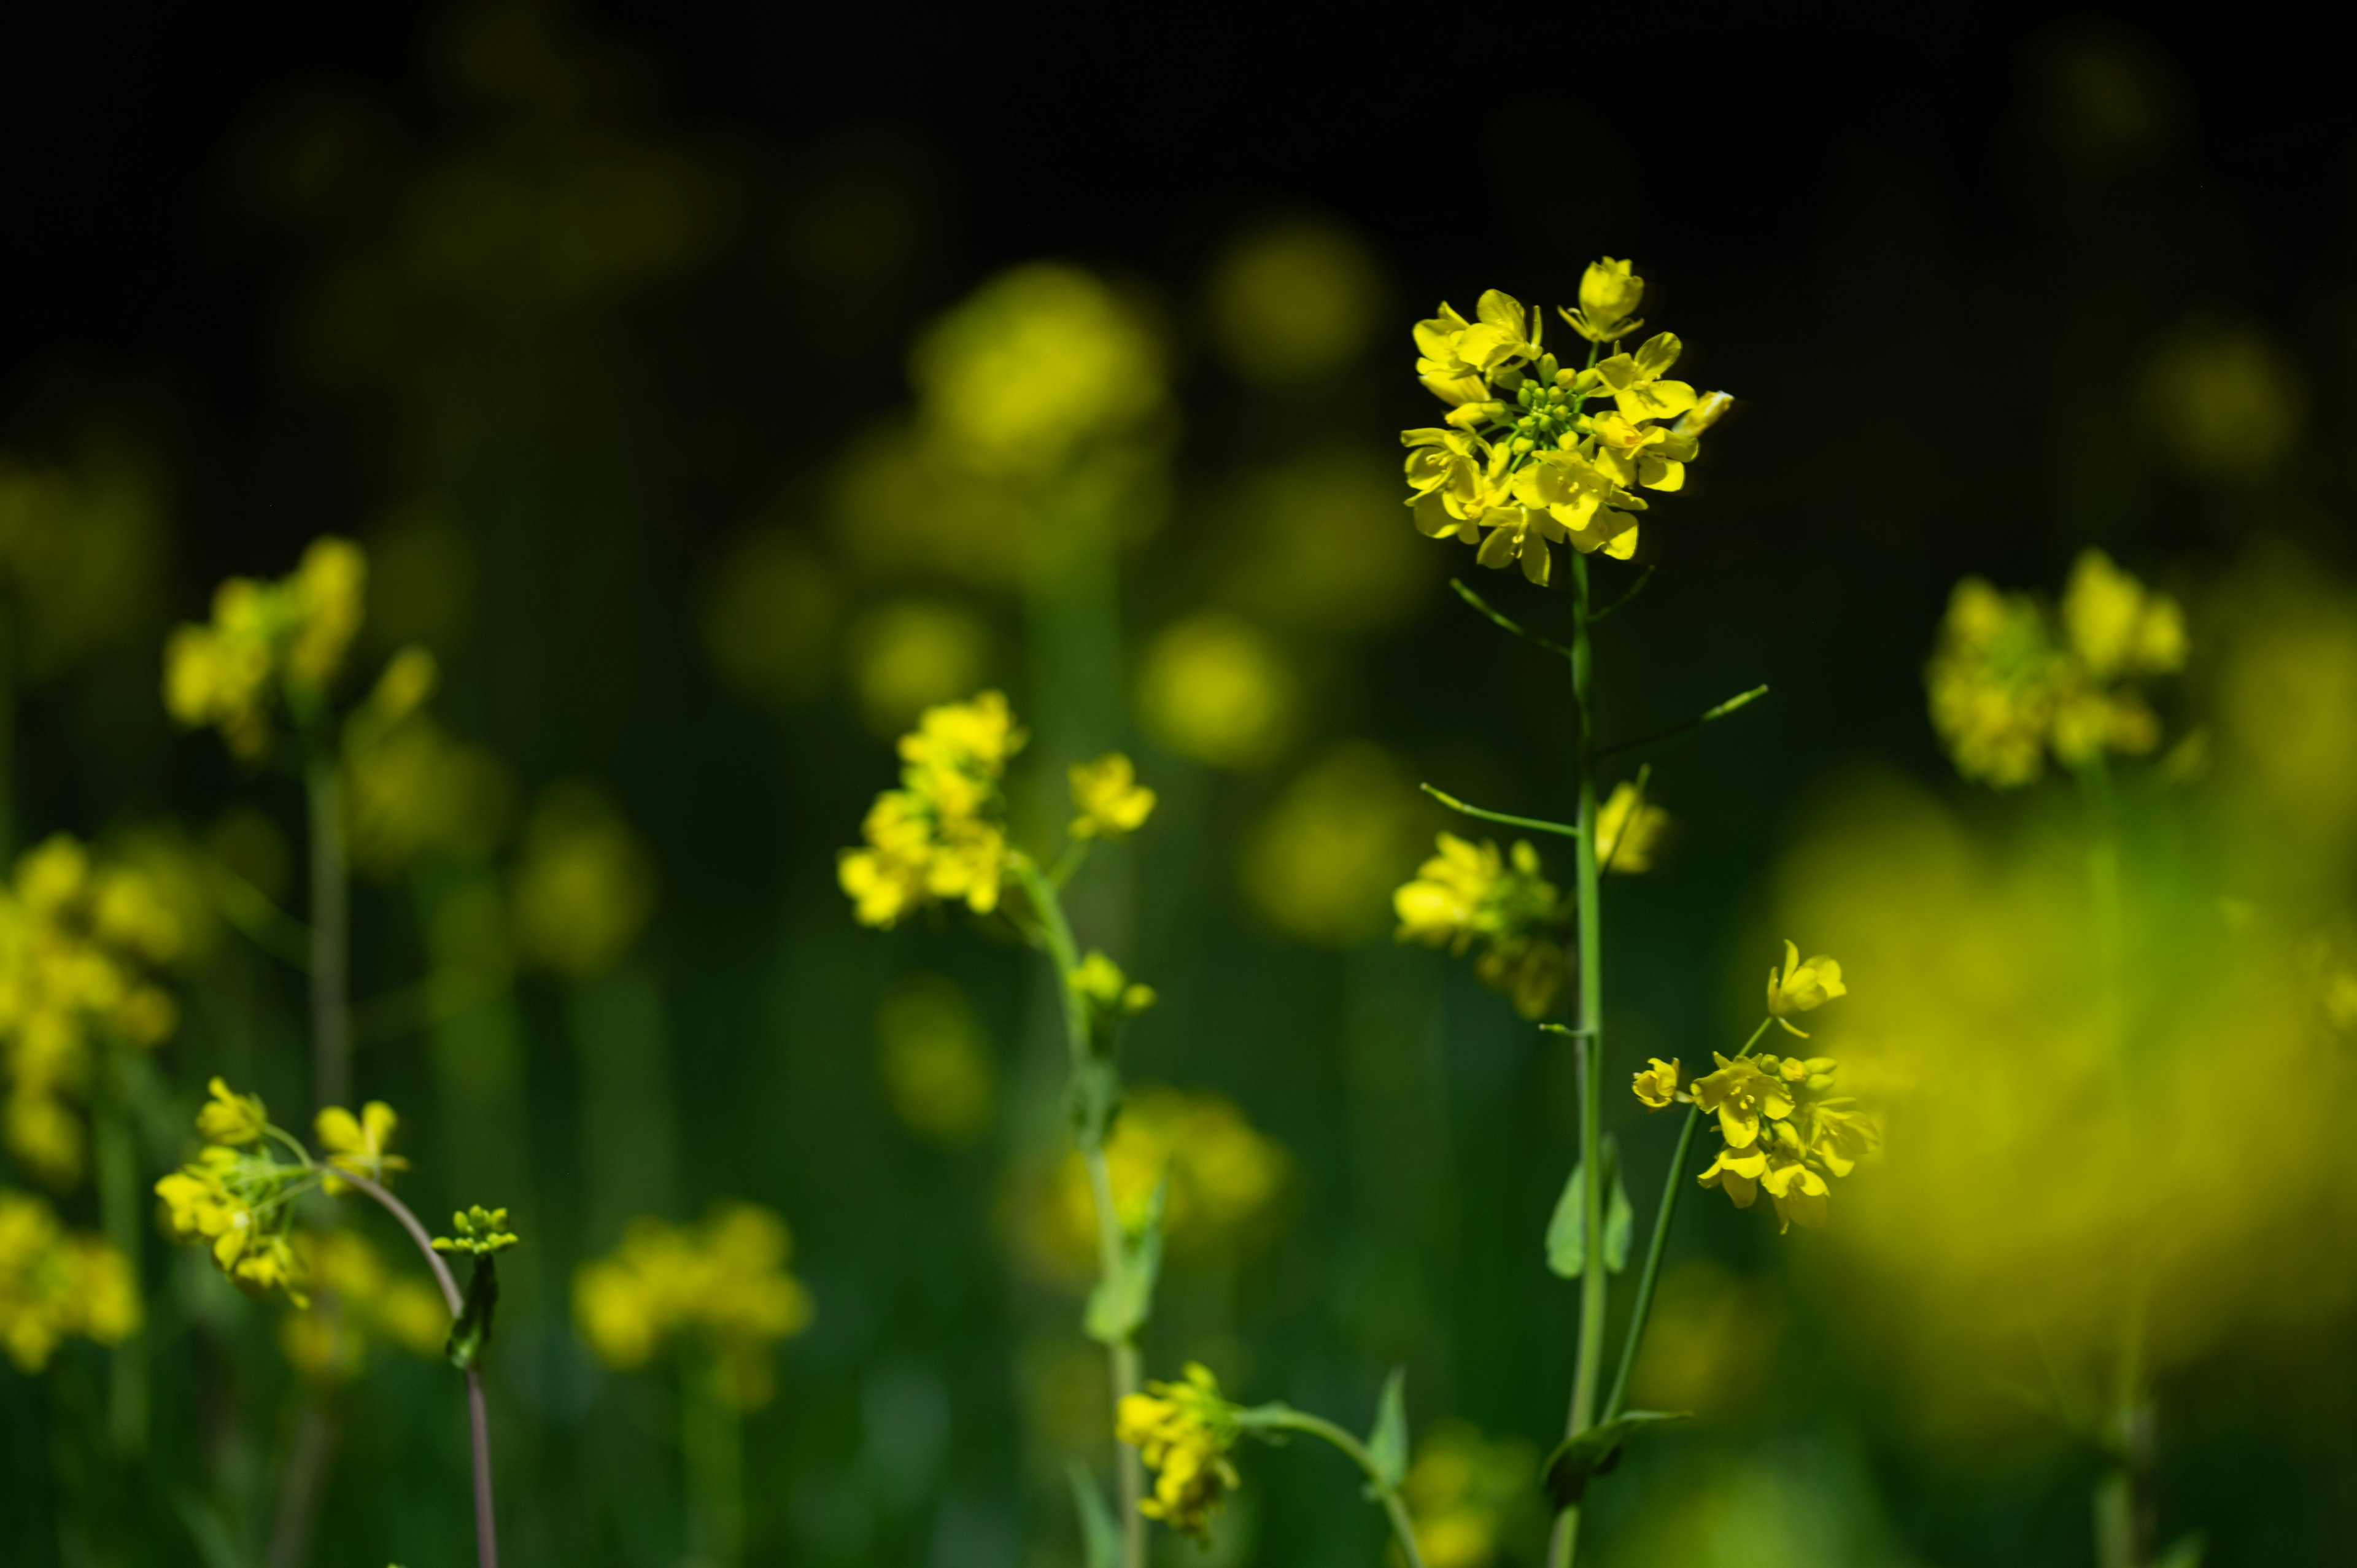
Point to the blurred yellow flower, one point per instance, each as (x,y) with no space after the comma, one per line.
(372,1304)
(936,1065)
(1224,1176)
(724,1283)
(408,787)
(1803,987)
(287,637)
(769,618)
(81,545)
(55,1284)
(1312,541)
(908,654)
(2225,401)
(230,1117)
(1468,1495)
(1100,982)
(1183,1431)
(1111,802)
(1629,829)
(1215,688)
(1470,893)
(357,1145)
(1319,865)
(943,834)
(585,885)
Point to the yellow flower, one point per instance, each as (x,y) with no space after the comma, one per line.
(1111,802)
(585,885)
(1224,1177)
(1217,688)
(2117,625)
(1100,982)
(1736,1172)
(939,1074)
(1635,380)
(1457,359)
(1464,1492)
(1183,1431)
(328,590)
(357,1145)
(1803,987)
(1739,1094)
(1798,1192)
(229,1118)
(1608,293)
(1629,829)
(55,1284)
(1657,1086)
(726,1280)
(1468,893)
(1589,506)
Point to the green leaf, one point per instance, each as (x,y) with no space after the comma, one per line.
(1387,1444)
(1594,1453)
(471,1335)
(1567,1237)
(1119,1305)
(1100,1536)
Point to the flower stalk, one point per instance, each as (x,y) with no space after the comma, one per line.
(1285,1418)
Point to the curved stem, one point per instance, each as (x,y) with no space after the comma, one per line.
(478,1422)
(1589,1046)
(1063,952)
(1675,1184)
(1285,1418)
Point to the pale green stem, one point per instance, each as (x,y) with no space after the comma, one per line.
(1588,1047)
(1283,1418)
(712,1442)
(1654,1249)
(1055,934)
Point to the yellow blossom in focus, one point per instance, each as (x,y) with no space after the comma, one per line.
(1183,1431)
(724,1283)
(943,834)
(56,1285)
(1216,688)
(1657,1086)
(1111,802)
(1608,295)
(358,1145)
(1637,384)
(1629,829)
(1470,893)
(1803,987)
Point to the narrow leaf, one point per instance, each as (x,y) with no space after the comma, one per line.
(471,1335)
(1387,1444)
(1620,1219)
(1567,1239)
(1595,1451)
(1100,1536)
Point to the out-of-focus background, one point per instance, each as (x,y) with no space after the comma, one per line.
(689,375)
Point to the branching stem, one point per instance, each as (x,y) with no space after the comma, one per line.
(1285,1418)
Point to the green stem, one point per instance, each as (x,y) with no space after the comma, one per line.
(332,1024)
(712,1442)
(1536,824)
(1501,620)
(1654,1249)
(1740,700)
(1285,1418)
(1588,1047)
(1055,937)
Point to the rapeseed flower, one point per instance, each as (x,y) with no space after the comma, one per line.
(1629,829)
(935,1062)
(372,1304)
(56,1285)
(1466,1494)
(358,1145)
(585,885)
(1803,987)
(232,1118)
(1184,1432)
(1470,893)
(1220,1177)
(1608,293)
(1218,689)
(1657,1086)
(1111,802)
(283,639)
(943,834)
(723,1283)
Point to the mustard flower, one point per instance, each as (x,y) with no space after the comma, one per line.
(264,640)
(724,1283)
(1221,1178)
(1470,893)
(1608,293)
(230,1117)
(1739,1093)
(1657,1085)
(1519,465)
(941,835)
(1629,829)
(1183,1431)
(1100,982)
(1736,1172)
(357,1144)
(1803,988)
(373,1303)
(56,1285)
(1111,802)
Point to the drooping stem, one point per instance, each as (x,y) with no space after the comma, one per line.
(1588,1046)
(478,1425)
(1285,1418)
(1055,936)
(1671,1188)
(331,1025)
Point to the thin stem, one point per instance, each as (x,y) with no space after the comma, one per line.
(1285,1418)
(1671,1188)
(332,1024)
(121,1216)
(1501,622)
(712,1442)
(1633,589)
(1535,824)
(1055,937)
(1740,700)
(1588,1048)
(478,1422)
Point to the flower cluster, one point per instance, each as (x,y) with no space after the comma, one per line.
(285,639)
(408,785)
(1222,1175)
(2012,679)
(1112,804)
(79,941)
(1629,830)
(481,1232)
(1470,892)
(1521,461)
(1183,1431)
(726,1281)
(1465,1492)
(55,1283)
(943,834)
(372,1304)
(237,1196)
(1781,1125)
